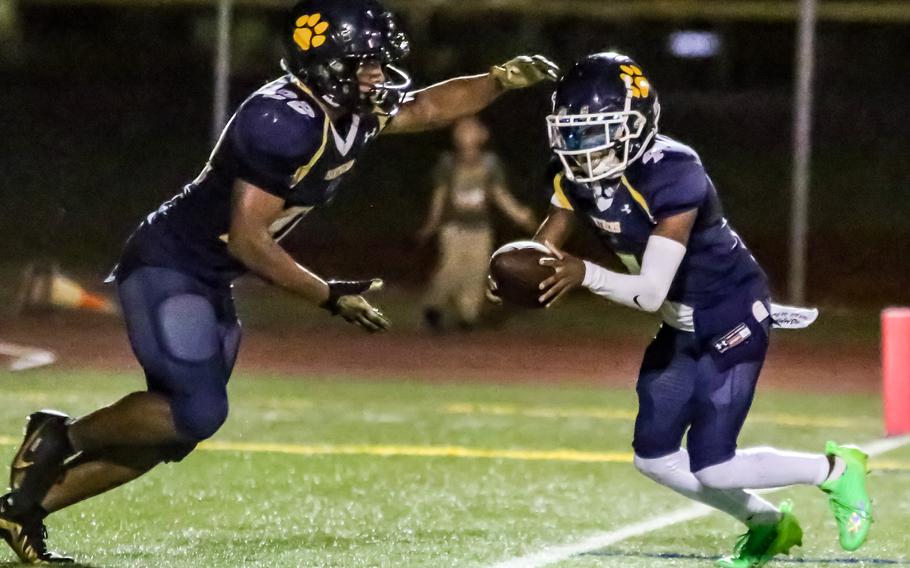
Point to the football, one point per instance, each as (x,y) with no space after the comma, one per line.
(516,269)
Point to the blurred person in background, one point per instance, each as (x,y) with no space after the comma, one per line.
(283,153)
(469,182)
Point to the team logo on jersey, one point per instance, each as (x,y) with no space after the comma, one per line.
(635,80)
(603,196)
(309,31)
(654,154)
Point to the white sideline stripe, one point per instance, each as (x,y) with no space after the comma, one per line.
(596,542)
(557,553)
(24,357)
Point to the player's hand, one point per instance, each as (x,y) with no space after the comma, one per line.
(570,273)
(346,301)
(492,291)
(524,71)
(356,310)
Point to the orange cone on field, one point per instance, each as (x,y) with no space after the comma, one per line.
(44,287)
(896,370)
(66,293)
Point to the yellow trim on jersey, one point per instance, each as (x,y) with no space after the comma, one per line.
(639,198)
(302,171)
(559,194)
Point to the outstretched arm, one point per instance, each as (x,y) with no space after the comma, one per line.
(445,102)
(644,291)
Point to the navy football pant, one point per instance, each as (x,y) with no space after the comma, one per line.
(679,389)
(185,335)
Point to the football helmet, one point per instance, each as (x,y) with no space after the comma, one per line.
(326,41)
(605,114)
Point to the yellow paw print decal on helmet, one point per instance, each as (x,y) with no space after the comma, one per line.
(634,79)
(309,31)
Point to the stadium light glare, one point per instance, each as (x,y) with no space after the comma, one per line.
(693,44)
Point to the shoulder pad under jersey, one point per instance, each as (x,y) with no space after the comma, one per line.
(280,128)
(669,177)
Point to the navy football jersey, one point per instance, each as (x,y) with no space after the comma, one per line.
(280,140)
(669,179)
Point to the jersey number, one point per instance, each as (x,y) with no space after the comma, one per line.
(281,226)
(279,94)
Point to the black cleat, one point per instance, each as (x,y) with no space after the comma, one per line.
(27,537)
(37,464)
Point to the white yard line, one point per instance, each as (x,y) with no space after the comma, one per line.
(597,541)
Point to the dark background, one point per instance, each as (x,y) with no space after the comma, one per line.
(105,112)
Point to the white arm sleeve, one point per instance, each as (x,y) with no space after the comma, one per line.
(645,291)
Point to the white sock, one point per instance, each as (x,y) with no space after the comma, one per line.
(840,466)
(672,471)
(760,468)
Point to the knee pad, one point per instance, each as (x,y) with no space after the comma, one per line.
(189,328)
(199,415)
(200,354)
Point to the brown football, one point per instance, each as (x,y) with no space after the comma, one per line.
(517,271)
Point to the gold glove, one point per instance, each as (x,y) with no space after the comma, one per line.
(345,300)
(356,310)
(524,71)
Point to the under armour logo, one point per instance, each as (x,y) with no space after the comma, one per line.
(626,209)
(655,154)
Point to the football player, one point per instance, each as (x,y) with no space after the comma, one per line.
(283,153)
(650,201)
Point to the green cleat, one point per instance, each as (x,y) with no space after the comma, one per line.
(761,543)
(848,498)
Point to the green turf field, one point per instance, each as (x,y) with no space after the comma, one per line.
(330,471)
